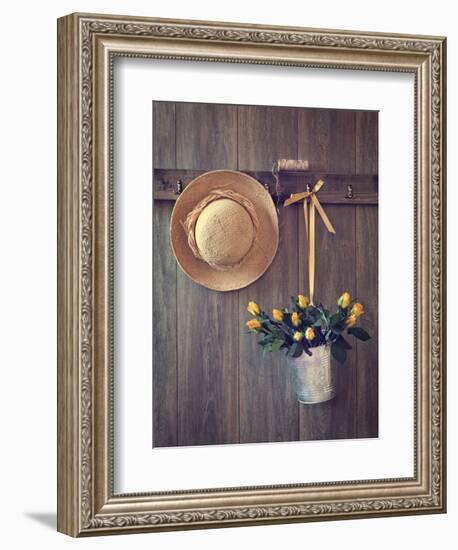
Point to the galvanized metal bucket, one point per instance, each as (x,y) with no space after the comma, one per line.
(313,376)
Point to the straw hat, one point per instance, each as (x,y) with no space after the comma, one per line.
(224,230)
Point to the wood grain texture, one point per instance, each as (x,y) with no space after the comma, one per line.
(207,364)
(268,405)
(367,292)
(327,138)
(366,139)
(164,151)
(207,322)
(334,273)
(217,388)
(206,136)
(365,186)
(366,237)
(165,377)
(266,134)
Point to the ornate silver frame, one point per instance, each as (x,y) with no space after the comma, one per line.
(87,44)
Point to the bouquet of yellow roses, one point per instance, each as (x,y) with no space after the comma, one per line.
(307,326)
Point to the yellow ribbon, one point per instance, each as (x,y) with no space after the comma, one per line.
(311,200)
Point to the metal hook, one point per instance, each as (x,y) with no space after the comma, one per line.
(308,188)
(179,187)
(350,194)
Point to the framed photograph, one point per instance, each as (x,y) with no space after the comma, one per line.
(251,274)
(229,393)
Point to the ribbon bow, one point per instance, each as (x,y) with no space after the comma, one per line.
(311,200)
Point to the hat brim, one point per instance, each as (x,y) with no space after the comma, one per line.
(264,248)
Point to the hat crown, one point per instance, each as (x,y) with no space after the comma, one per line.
(224,233)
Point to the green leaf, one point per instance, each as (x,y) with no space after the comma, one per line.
(335,319)
(324,313)
(359,333)
(314,314)
(338,352)
(337,329)
(343,343)
(277,344)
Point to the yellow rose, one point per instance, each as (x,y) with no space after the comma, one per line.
(253,308)
(310,333)
(351,320)
(277,314)
(357,309)
(302,301)
(253,324)
(295,319)
(298,336)
(344,300)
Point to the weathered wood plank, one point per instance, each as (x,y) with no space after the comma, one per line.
(327,139)
(364,186)
(163,134)
(208,365)
(334,273)
(268,405)
(219,401)
(266,134)
(207,322)
(366,132)
(165,421)
(367,292)
(367,279)
(206,136)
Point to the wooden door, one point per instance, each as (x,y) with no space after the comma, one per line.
(210,383)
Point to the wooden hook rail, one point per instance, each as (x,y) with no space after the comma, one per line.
(340,188)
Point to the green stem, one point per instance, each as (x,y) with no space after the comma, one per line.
(284,330)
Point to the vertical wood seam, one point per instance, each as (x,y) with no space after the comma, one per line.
(356,171)
(177,370)
(357,396)
(152,290)
(164,391)
(297,264)
(238,302)
(175,129)
(238,367)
